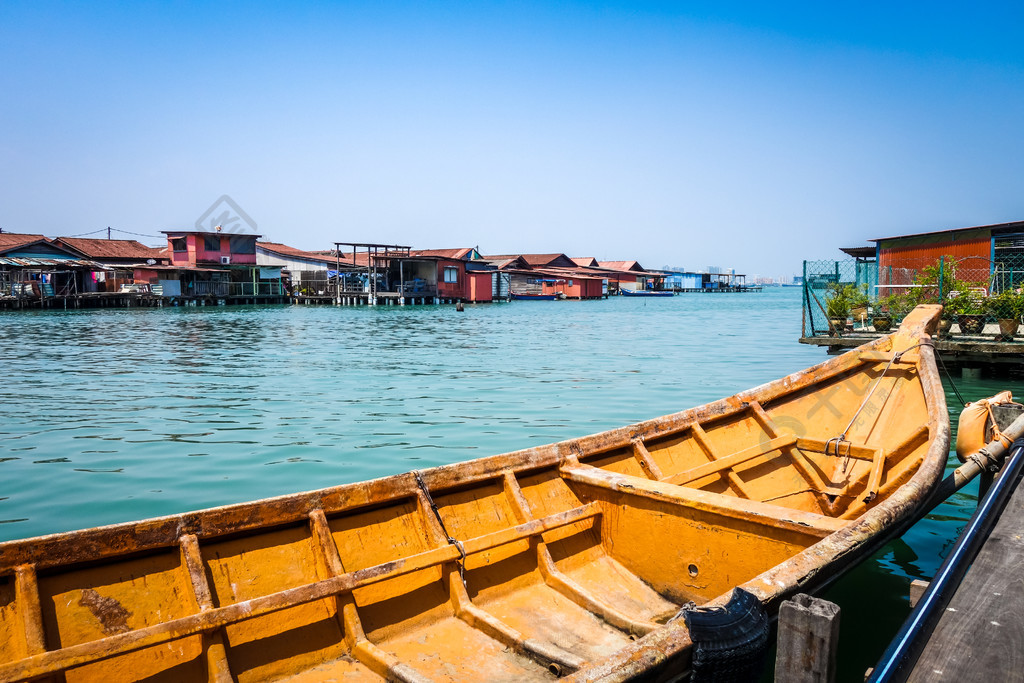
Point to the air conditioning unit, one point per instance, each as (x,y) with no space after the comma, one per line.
(225,260)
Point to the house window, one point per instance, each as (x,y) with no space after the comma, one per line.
(242,244)
(179,244)
(211,242)
(451,274)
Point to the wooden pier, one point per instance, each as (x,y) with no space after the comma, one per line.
(716,290)
(978,637)
(378,299)
(129,300)
(959,350)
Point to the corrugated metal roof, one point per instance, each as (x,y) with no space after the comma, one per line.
(13,240)
(285,250)
(630,266)
(458,254)
(533,259)
(995,228)
(581,273)
(26,262)
(120,249)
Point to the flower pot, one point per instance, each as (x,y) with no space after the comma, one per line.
(859,315)
(882,323)
(972,324)
(945,327)
(836,326)
(1007,328)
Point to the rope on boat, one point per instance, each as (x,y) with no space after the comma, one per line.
(461,562)
(841,440)
(949,377)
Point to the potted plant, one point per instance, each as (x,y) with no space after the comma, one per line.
(1007,308)
(859,302)
(938,283)
(837,307)
(971,314)
(952,306)
(890,308)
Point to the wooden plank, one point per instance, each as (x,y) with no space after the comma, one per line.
(26,589)
(800,461)
(218,668)
(776,516)
(562,583)
(729,461)
(857,451)
(875,481)
(882,357)
(643,457)
(701,437)
(980,636)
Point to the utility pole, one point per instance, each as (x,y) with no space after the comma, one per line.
(108,232)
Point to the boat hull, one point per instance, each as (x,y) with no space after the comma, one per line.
(534,297)
(644,292)
(569,559)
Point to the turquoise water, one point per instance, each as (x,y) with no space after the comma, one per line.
(116,415)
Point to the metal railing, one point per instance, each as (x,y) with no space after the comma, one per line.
(222,289)
(981,296)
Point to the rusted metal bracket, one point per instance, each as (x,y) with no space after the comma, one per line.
(461,562)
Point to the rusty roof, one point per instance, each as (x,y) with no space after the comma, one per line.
(582,273)
(507,262)
(13,240)
(631,266)
(532,259)
(996,228)
(457,254)
(110,249)
(585,261)
(285,250)
(34,262)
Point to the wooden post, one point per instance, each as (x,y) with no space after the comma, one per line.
(917,589)
(808,636)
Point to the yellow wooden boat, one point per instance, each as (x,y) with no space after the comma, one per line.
(572,560)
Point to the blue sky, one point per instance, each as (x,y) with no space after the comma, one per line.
(751,135)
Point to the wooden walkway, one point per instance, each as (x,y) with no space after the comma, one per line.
(980,636)
(983,350)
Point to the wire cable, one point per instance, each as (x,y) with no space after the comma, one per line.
(949,377)
(137,234)
(85,234)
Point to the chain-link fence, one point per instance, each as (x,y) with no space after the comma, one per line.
(980,296)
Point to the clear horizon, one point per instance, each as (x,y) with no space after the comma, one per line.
(741,136)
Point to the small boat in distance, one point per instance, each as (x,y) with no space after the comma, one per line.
(645,292)
(517,296)
(578,559)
